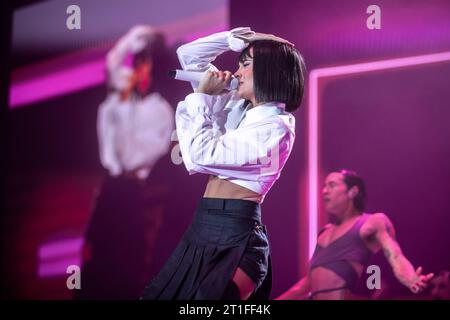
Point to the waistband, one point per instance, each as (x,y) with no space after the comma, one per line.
(314,293)
(217,208)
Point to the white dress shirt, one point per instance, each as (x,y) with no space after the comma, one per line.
(134,133)
(219,136)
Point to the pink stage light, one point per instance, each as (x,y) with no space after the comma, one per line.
(313,121)
(72,73)
(59,83)
(56,256)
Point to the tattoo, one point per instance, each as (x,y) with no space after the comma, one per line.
(393,251)
(389,228)
(387,253)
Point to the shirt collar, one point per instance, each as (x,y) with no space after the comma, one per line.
(264,111)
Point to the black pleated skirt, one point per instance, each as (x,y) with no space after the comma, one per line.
(224,234)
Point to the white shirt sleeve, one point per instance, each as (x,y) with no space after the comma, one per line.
(106,132)
(198,55)
(118,73)
(251,152)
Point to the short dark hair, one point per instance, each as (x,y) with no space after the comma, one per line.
(351,178)
(157,51)
(278,72)
(154,49)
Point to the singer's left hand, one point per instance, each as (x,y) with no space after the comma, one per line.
(256,36)
(214,82)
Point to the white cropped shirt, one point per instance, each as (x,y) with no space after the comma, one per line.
(218,135)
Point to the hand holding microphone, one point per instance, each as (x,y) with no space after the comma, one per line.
(215,82)
(209,82)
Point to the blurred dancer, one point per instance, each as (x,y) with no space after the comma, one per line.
(134,124)
(345,246)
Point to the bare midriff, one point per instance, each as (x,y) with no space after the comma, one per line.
(219,188)
(324,279)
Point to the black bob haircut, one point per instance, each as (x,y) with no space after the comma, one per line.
(154,49)
(278,72)
(351,178)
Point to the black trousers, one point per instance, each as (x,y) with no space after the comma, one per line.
(117,235)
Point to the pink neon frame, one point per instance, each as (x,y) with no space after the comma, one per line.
(313,122)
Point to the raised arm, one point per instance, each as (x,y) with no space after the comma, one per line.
(198,55)
(132,42)
(402,267)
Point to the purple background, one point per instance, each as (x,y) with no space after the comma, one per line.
(391,127)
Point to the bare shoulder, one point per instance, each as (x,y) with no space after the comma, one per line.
(380,222)
(378,217)
(325,229)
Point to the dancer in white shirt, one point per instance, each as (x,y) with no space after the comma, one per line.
(241,139)
(134,125)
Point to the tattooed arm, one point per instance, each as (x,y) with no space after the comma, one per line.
(403,269)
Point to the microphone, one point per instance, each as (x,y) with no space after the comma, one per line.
(196,76)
